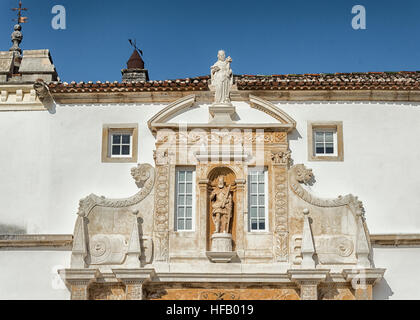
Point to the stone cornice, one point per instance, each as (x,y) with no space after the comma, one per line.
(238,95)
(395,240)
(64,242)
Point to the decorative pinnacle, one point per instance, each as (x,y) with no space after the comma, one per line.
(17,34)
(16,38)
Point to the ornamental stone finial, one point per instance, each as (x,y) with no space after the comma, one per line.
(16,38)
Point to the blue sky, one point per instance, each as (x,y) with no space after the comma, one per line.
(181,38)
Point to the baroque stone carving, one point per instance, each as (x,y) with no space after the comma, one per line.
(335,240)
(143,174)
(300,174)
(221,198)
(161,225)
(280,207)
(280,157)
(222,78)
(107,249)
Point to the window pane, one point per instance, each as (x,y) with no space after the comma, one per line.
(319,148)
(254,224)
(189,200)
(189,212)
(116,138)
(261,177)
(261,200)
(252,177)
(261,225)
(180,212)
(180,224)
(261,212)
(125,150)
(253,200)
(253,188)
(188,224)
(181,200)
(261,188)
(319,136)
(181,175)
(116,150)
(329,137)
(181,188)
(253,212)
(189,188)
(189,176)
(329,148)
(126,138)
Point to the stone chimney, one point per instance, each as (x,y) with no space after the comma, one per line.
(135,71)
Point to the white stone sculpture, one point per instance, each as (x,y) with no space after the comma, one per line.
(222,78)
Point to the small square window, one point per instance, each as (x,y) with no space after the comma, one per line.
(325,141)
(119,143)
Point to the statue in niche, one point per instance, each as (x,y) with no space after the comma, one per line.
(222,78)
(221,203)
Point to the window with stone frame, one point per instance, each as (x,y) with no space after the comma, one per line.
(119,142)
(184,199)
(257,199)
(325,141)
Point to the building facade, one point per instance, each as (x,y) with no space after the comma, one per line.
(245,187)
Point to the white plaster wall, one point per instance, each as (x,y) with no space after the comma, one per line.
(51,160)
(39,281)
(401,279)
(381,159)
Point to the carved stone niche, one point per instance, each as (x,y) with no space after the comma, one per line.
(221,228)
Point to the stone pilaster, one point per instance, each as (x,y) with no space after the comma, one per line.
(78,280)
(308,281)
(134,280)
(202,213)
(363,280)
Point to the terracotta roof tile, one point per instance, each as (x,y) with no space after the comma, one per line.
(403,80)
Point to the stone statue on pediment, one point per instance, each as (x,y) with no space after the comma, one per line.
(222,78)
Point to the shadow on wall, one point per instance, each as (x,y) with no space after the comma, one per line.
(382,290)
(11,229)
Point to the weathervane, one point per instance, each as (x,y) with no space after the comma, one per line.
(133,43)
(20,19)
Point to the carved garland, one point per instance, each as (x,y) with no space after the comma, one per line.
(143,174)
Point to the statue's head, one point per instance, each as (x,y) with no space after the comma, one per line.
(17,27)
(221,55)
(221,182)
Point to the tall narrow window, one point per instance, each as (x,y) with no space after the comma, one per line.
(184,200)
(257,199)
